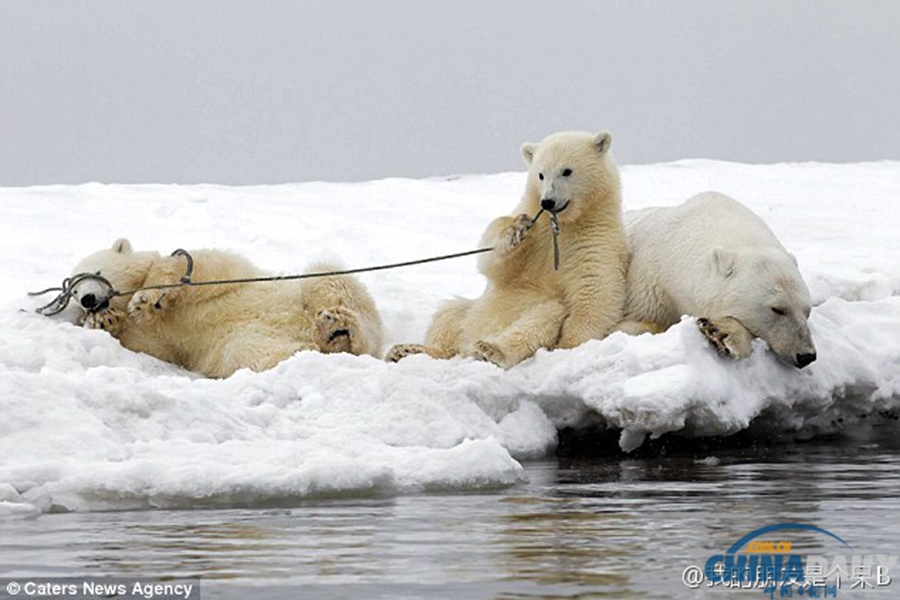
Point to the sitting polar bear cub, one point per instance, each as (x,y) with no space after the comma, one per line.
(528,304)
(713,258)
(216,330)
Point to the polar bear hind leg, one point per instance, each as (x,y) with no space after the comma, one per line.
(346,318)
(255,346)
(537,327)
(340,329)
(444,337)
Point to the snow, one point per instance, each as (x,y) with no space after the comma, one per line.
(87,425)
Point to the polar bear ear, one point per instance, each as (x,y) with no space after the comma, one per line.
(122,246)
(602,142)
(528,150)
(723,262)
(793,259)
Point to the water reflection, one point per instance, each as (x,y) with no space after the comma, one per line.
(565,541)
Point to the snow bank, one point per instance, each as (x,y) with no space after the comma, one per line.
(87,425)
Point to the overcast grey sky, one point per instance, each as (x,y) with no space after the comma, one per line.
(270,91)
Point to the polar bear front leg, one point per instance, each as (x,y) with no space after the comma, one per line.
(504,235)
(728,336)
(111,320)
(147,305)
(512,236)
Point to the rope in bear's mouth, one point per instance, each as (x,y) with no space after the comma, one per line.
(554,228)
(59,304)
(67,290)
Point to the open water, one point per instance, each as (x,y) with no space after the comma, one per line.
(614,526)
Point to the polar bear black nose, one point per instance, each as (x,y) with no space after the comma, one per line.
(89,301)
(805,359)
(548,204)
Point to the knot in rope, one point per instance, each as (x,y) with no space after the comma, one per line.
(70,285)
(67,290)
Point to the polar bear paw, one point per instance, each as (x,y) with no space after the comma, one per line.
(728,337)
(337,329)
(489,352)
(146,305)
(110,320)
(516,232)
(401,351)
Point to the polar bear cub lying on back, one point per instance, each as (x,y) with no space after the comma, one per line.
(713,258)
(216,330)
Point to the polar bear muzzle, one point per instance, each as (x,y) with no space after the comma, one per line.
(804,359)
(553,205)
(92,303)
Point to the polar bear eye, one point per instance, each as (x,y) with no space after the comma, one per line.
(778,311)
(541,176)
(567,172)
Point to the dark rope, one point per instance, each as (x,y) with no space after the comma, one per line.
(59,303)
(186,280)
(554,228)
(190,264)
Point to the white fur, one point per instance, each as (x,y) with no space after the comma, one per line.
(527,304)
(216,330)
(712,257)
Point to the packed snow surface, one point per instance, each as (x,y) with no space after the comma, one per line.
(88,425)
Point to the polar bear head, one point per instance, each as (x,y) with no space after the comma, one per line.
(124,268)
(766,293)
(569,172)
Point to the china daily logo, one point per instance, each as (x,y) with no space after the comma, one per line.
(771,559)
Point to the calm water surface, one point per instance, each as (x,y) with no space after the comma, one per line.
(615,526)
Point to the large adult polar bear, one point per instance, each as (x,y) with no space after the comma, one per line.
(713,258)
(215,330)
(529,304)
